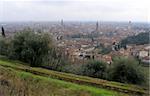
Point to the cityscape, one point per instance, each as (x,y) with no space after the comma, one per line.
(74,48)
(85,40)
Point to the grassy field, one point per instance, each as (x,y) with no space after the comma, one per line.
(18,83)
(16,78)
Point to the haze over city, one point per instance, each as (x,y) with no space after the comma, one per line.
(74,47)
(74,10)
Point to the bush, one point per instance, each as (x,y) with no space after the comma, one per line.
(94,69)
(126,71)
(140,39)
(73,68)
(30,47)
(55,60)
(4,45)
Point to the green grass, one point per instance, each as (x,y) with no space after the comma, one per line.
(99,83)
(35,85)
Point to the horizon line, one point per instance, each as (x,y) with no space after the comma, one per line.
(77,21)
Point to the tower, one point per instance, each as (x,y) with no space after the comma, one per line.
(129,25)
(97,26)
(62,22)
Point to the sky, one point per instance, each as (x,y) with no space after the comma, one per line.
(75,10)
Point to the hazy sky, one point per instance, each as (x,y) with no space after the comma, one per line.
(72,10)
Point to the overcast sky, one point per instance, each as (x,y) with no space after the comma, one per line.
(74,10)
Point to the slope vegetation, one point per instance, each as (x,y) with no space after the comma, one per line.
(16,78)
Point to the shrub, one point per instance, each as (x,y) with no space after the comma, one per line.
(55,60)
(30,47)
(73,68)
(4,45)
(126,71)
(94,69)
(140,39)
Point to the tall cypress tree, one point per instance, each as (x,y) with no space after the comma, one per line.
(3,32)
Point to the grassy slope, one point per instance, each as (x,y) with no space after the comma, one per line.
(18,83)
(75,79)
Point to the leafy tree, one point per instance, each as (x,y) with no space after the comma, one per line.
(104,50)
(30,47)
(141,38)
(73,68)
(55,60)
(126,71)
(35,49)
(94,69)
(4,45)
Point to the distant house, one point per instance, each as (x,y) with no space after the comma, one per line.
(143,53)
(146,59)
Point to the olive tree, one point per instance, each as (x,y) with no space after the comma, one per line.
(30,47)
(94,69)
(127,71)
(4,45)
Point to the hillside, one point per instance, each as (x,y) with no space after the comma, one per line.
(17,78)
(141,38)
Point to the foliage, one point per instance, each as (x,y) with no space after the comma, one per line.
(126,71)
(106,50)
(94,69)
(103,49)
(55,60)
(116,86)
(27,84)
(35,49)
(141,38)
(73,68)
(91,35)
(30,47)
(4,45)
